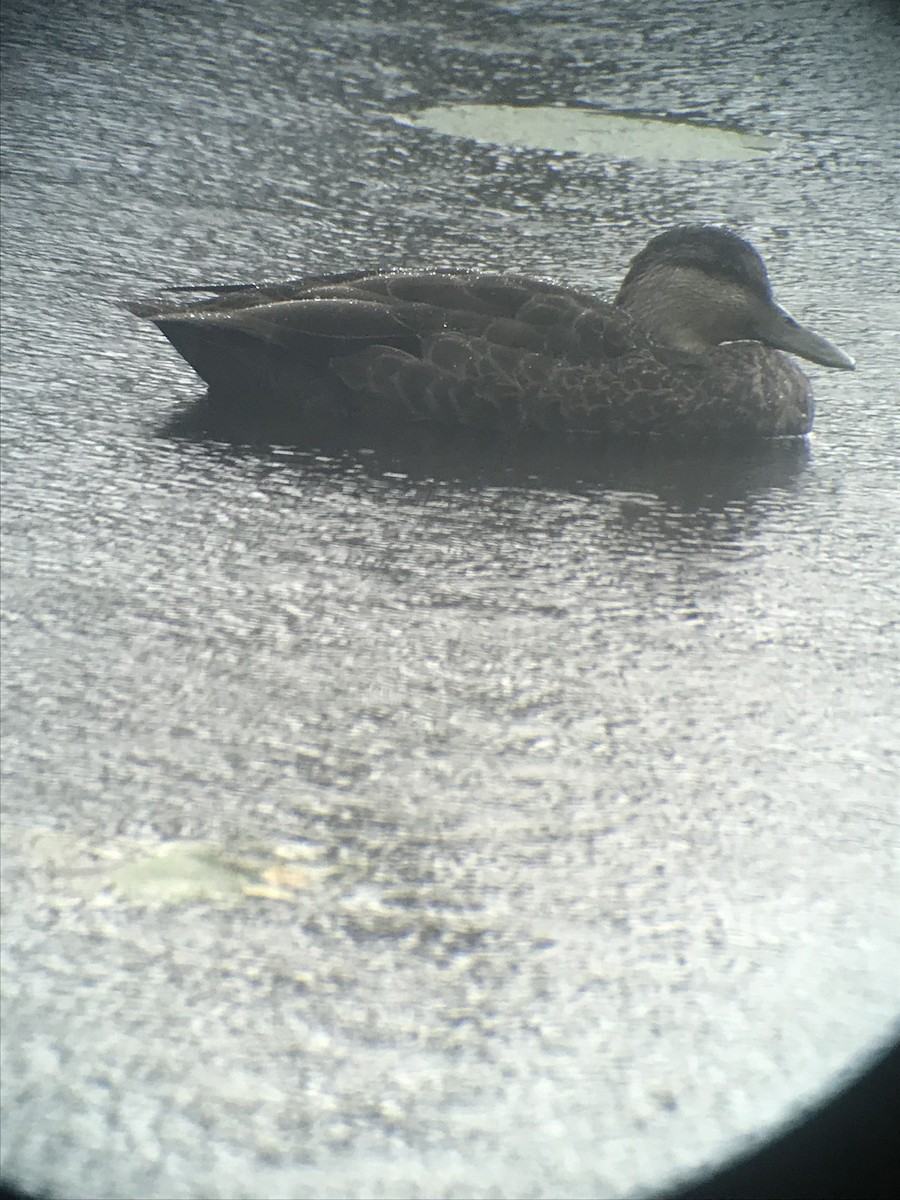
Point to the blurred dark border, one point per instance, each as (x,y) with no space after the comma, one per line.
(848,1149)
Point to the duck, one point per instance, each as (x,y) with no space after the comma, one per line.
(693,346)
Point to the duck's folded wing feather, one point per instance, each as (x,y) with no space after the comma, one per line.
(505,310)
(293,324)
(220,343)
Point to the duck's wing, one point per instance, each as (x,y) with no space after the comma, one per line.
(247,351)
(335,315)
(224,296)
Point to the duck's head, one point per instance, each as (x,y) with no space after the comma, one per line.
(697,286)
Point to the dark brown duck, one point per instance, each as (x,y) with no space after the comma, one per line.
(694,346)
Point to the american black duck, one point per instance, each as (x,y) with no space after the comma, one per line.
(693,346)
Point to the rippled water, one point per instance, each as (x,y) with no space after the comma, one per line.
(589,761)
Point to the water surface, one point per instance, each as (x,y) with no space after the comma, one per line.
(572,776)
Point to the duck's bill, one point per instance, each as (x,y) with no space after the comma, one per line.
(784,333)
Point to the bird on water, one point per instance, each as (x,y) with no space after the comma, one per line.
(693,346)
